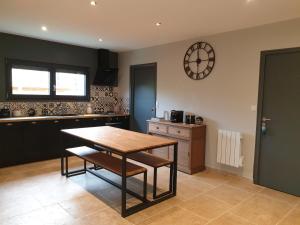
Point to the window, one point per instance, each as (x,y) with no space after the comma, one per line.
(30,82)
(70,84)
(34,80)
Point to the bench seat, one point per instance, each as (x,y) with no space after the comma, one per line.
(149,159)
(155,162)
(106,161)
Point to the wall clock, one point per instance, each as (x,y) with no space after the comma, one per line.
(199,60)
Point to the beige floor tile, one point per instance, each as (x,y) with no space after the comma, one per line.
(244,184)
(57,193)
(229,194)
(212,177)
(103,217)
(189,188)
(206,206)
(293,218)
(82,206)
(261,210)
(141,216)
(18,206)
(280,196)
(175,216)
(229,219)
(49,215)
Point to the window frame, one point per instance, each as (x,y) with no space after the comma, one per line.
(52,68)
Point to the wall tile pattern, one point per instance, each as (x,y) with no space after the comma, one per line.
(102,99)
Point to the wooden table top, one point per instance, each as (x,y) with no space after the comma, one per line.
(120,140)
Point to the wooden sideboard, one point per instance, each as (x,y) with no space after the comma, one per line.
(191,144)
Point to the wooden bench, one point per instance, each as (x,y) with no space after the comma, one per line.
(155,162)
(105,161)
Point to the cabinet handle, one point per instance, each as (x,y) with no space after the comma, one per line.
(94,119)
(77,120)
(34,122)
(157,128)
(56,121)
(9,124)
(178,131)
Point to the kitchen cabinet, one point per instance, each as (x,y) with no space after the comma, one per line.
(191,144)
(11,145)
(36,140)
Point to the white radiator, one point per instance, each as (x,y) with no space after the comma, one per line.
(229,148)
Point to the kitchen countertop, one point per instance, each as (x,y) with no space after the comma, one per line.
(38,118)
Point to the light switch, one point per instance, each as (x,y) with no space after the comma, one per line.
(253,108)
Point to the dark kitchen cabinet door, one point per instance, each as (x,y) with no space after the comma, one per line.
(52,139)
(11,144)
(42,140)
(69,141)
(34,141)
(118,121)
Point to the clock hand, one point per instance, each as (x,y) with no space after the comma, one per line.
(198,54)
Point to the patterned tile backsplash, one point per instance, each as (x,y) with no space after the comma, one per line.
(103,99)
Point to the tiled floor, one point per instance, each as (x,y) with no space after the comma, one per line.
(37,194)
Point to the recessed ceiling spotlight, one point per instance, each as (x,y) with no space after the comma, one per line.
(248,1)
(158,24)
(44,28)
(93,3)
(100,39)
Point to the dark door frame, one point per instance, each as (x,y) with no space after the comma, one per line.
(131,87)
(260,103)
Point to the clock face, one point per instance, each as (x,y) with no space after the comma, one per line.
(199,60)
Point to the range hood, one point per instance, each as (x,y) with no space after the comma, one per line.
(107,71)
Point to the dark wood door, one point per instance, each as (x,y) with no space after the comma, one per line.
(143,95)
(277,163)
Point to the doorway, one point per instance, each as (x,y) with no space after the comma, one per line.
(142,95)
(277,151)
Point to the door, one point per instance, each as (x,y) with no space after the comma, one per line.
(143,95)
(277,158)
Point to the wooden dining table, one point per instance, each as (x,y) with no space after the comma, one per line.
(123,143)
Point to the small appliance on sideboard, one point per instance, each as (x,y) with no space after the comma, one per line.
(176,116)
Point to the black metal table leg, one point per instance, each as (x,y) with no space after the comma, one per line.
(175,169)
(62,166)
(124,212)
(154,182)
(145,186)
(171,177)
(67,166)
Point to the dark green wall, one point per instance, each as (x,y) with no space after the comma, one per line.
(18,47)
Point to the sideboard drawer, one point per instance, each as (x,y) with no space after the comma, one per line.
(180,132)
(158,128)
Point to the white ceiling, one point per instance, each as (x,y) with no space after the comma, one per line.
(130,24)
